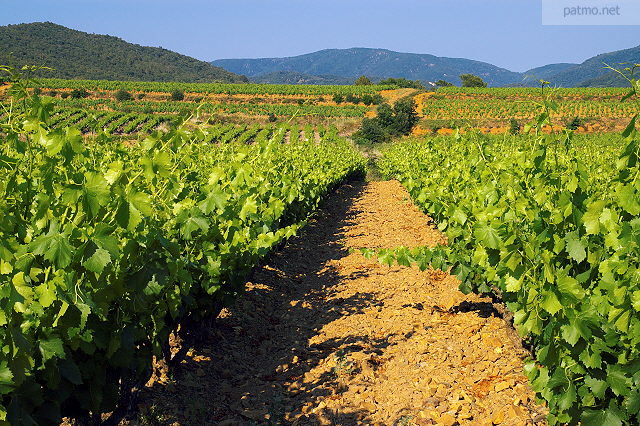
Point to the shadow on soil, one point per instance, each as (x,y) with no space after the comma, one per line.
(248,368)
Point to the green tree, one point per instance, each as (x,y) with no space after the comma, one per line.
(403,83)
(471,80)
(123,95)
(405,116)
(79,93)
(384,115)
(177,95)
(389,121)
(363,80)
(370,132)
(443,83)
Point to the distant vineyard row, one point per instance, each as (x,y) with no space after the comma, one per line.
(231,89)
(534,92)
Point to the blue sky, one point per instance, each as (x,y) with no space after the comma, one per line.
(507,33)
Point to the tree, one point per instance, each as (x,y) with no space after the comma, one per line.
(353,99)
(79,94)
(367,99)
(403,83)
(123,95)
(443,83)
(405,116)
(470,80)
(371,131)
(384,115)
(363,80)
(177,95)
(389,121)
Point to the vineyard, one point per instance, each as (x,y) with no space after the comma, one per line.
(548,224)
(129,226)
(496,110)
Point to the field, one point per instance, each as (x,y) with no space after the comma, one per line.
(589,110)
(128,226)
(146,106)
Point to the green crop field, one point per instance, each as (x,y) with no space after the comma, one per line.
(125,222)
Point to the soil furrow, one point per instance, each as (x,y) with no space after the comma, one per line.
(325,336)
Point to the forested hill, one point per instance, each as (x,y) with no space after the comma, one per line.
(76,54)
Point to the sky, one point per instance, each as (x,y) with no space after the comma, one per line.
(507,33)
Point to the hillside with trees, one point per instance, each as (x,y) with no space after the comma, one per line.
(79,55)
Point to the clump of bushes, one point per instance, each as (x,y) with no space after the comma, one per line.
(366,99)
(64,95)
(272,118)
(141,95)
(390,121)
(575,123)
(514,127)
(52,93)
(363,80)
(403,83)
(472,80)
(351,98)
(79,94)
(177,95)
(122,95)
(443,83)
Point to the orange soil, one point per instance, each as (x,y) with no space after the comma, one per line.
(324,336)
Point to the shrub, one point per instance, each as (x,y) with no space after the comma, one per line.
(64,95)
(405,116)
(363,81)
(177,95)
(147,109)
(443,83)
(403,83)
(37,91)
(514,127)
(575,123)
(141,95)
(384,115)
(300,102)
(272,118)
(122,95)
(52,93)
(338,98)
(367,99)
(352,98)
(470,80)
(378,99)
(371,132)
(390,121)
(79,94)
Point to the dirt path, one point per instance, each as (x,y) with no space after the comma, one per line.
(324,336)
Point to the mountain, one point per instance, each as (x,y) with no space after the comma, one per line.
(545,72)
(79,55)
(292,77)
(592,72)
(380,63)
